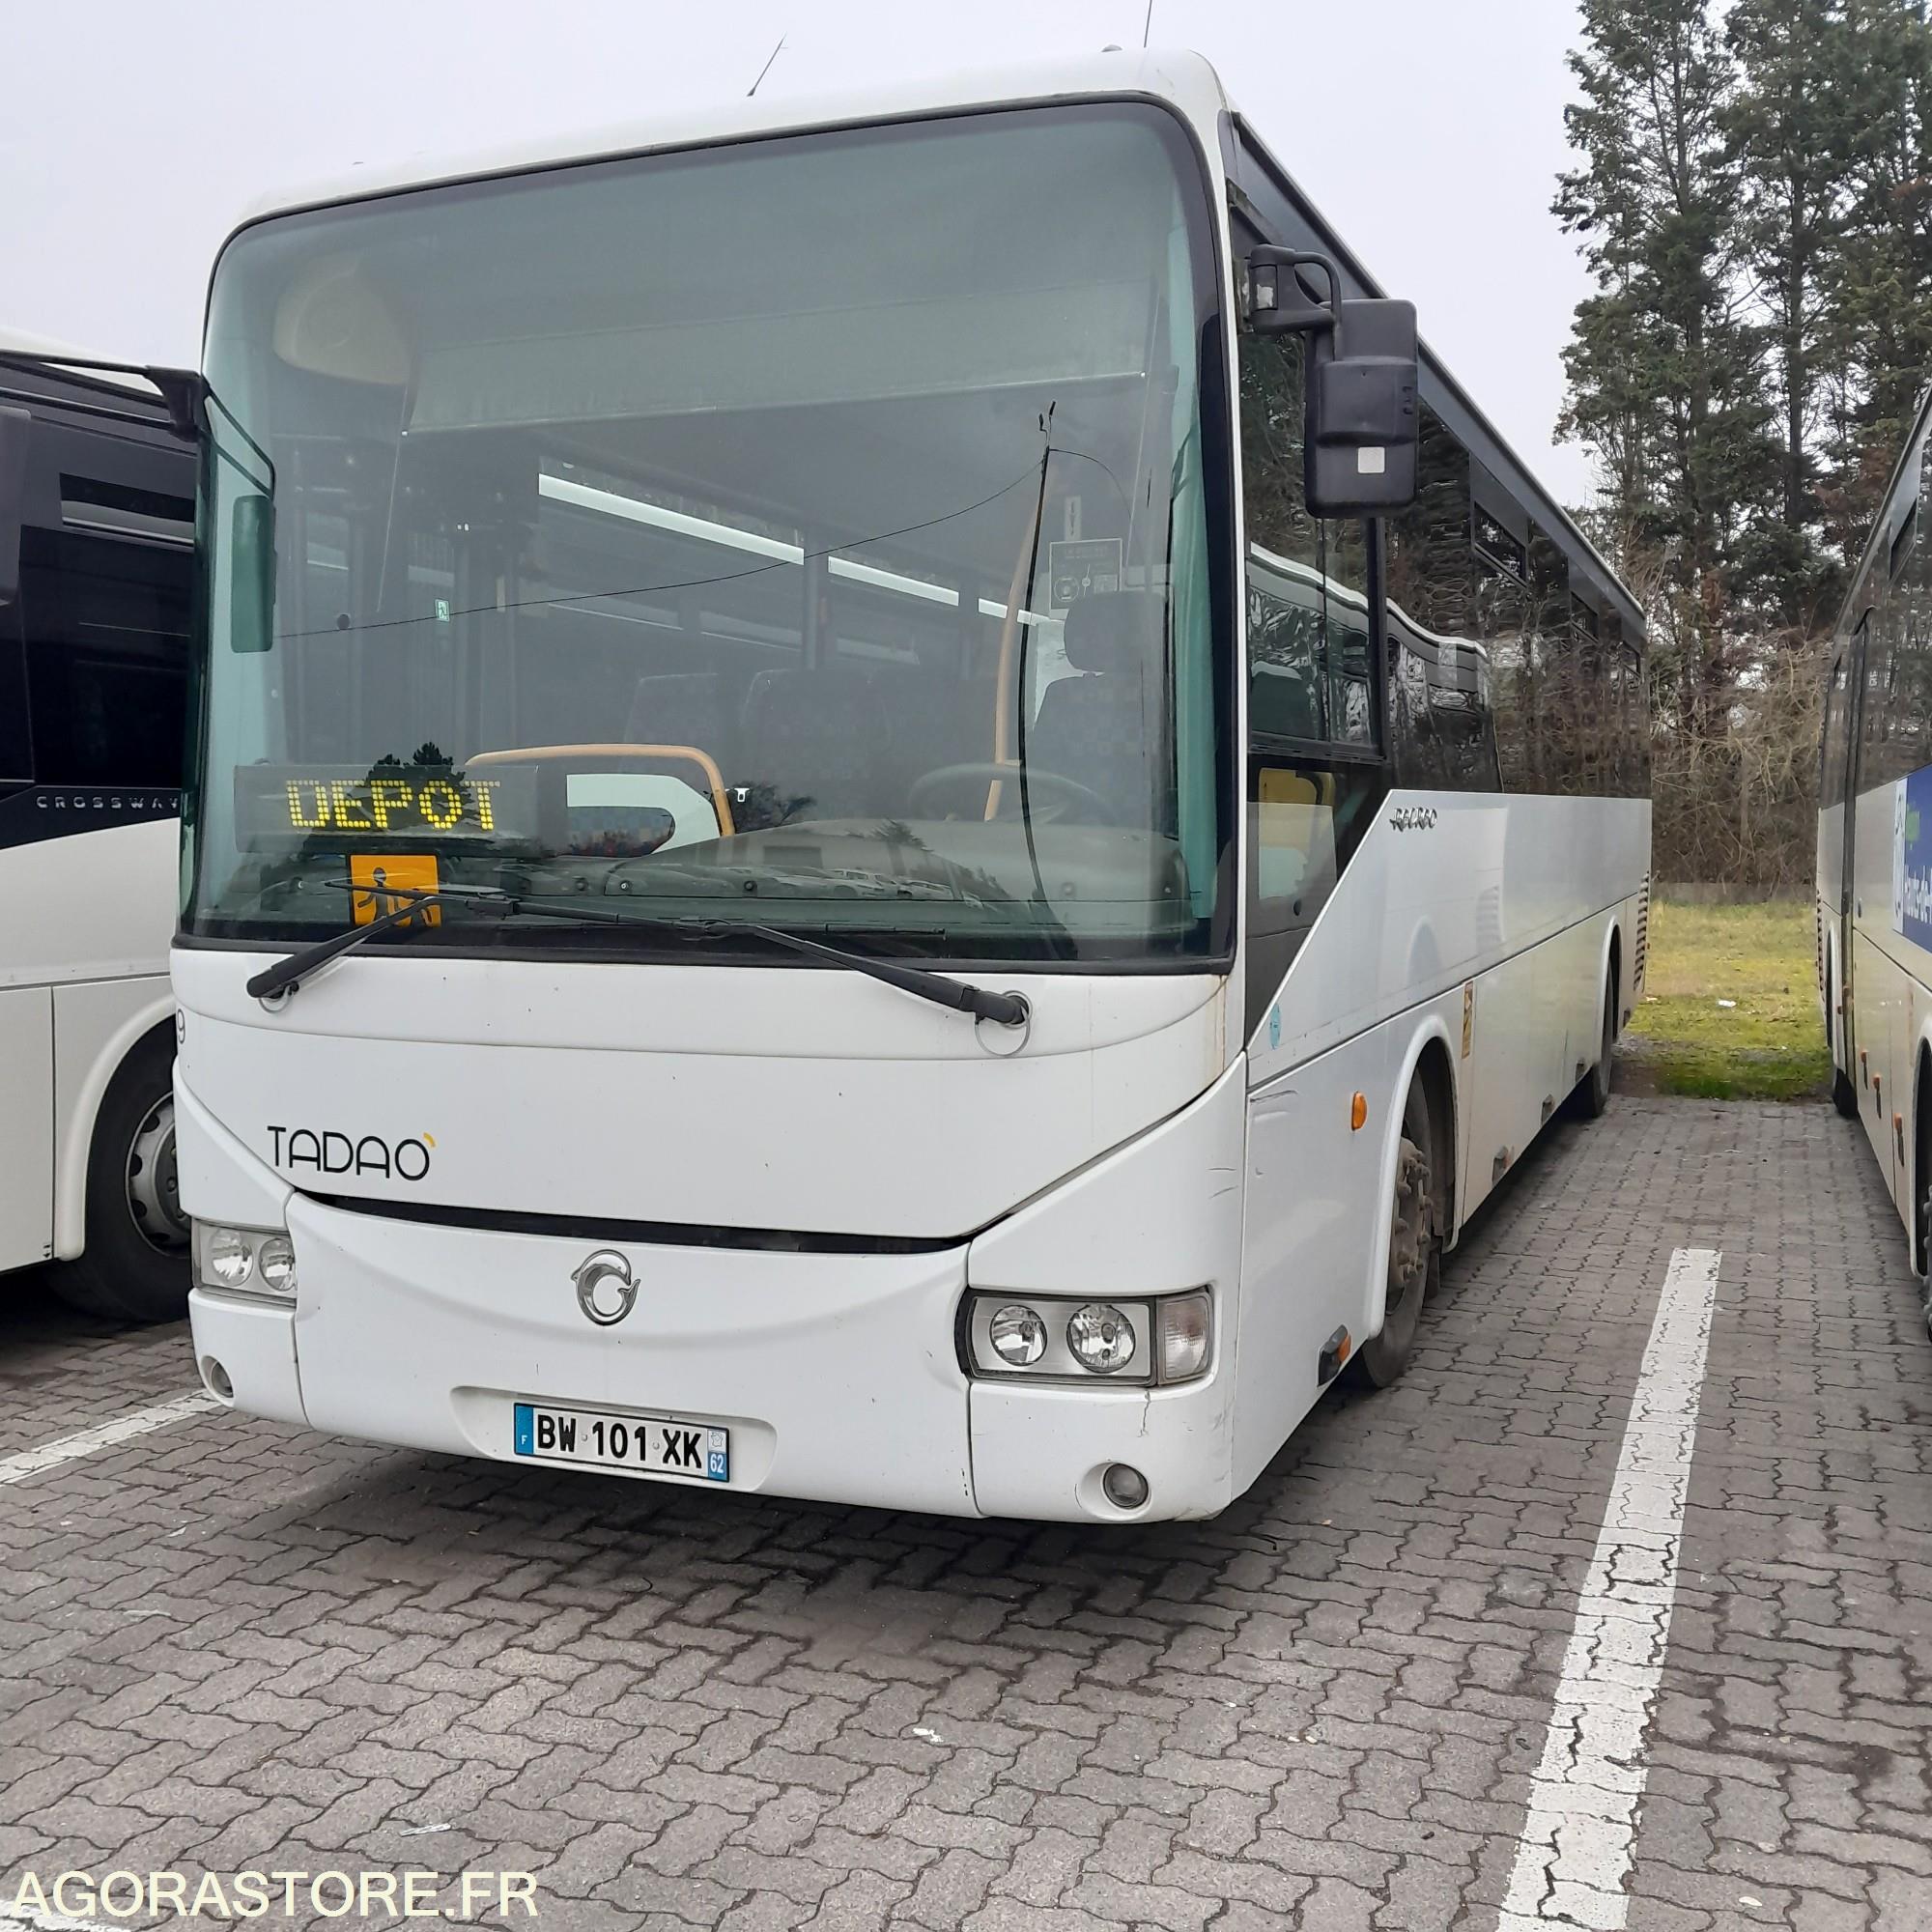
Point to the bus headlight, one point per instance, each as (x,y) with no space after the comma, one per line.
(1018,1336)
(1159,1340)
(1100,1338)
(276,1261)
(245,1260)
(228,1257)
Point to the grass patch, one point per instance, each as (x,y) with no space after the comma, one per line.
(1770,1043)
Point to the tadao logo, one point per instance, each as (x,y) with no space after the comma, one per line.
(328,1152)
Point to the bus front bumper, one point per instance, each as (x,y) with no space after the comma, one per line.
(837,1375)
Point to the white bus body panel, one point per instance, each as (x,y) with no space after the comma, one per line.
(1889,1003)
(812,1101)
(26,1119)
(81,980)
(1514,895)
(103,901)
(837,1373)
(1516,899)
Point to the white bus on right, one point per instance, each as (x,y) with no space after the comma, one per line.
(1874,910)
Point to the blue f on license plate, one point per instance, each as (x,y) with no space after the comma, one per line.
(650,1445)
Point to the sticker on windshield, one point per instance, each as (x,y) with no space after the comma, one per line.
(385,882)
(1088,568)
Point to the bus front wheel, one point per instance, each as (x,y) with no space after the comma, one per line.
(134,1266)
(1415,1246)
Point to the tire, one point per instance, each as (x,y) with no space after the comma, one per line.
(1592,1097)
(1844,1096)
(135,1265)
(1415,1247)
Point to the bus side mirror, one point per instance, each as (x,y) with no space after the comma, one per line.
(14,425)
(1362,410)
(251,582)
(1362,365)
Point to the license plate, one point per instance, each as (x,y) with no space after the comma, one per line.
(657,1445)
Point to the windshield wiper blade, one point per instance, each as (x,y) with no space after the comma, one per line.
(1009,1009)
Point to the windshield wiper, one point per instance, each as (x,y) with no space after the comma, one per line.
(1010,1009)
(287,973)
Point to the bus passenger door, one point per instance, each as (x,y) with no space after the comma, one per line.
(26,1013)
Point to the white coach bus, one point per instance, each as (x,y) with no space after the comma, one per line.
(1874,910)
(97,570)
(987,541)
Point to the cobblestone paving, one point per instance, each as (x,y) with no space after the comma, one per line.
(230,1646)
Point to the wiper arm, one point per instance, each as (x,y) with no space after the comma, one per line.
(1009,1009)
(288,971)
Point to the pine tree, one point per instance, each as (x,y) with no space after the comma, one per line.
(1665,368)
(1791,126)
(1879,284)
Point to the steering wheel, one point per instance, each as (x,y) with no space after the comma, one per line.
(1071,790)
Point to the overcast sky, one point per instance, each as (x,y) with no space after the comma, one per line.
(1430,133)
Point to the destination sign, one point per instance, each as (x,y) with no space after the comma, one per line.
(392,805)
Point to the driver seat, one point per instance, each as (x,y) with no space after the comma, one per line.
(1103,727)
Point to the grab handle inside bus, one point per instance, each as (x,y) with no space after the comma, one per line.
(14,425)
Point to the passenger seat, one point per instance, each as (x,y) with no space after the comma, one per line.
(1103,728)
(683,708)
(817,740)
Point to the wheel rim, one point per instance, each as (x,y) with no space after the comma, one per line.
(1408,1229)
(154,1187)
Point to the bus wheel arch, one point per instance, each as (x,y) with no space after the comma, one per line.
(1592,1094)
(134,1267)
(1419,1185)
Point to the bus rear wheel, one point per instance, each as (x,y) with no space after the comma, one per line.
(1415,1247)
(134,1267)
(1592,1097)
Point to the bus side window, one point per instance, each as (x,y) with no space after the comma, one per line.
(16,751)
(1311,689)
(1831,766)
(106,629)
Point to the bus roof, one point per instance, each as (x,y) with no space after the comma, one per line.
(21,342)
(1182,77)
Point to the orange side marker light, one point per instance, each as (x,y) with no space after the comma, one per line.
(1358,1113)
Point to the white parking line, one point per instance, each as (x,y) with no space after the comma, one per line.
(1575,1849)
(27,1462)
(49,1921)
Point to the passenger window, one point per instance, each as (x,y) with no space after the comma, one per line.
(15,759)
(1832,771)
(107,644)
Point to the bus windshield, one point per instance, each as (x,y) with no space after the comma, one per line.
(816,532)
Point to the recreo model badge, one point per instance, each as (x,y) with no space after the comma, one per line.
(329,1151)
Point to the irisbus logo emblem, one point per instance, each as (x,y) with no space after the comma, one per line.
(609,1270)
(328,1152)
